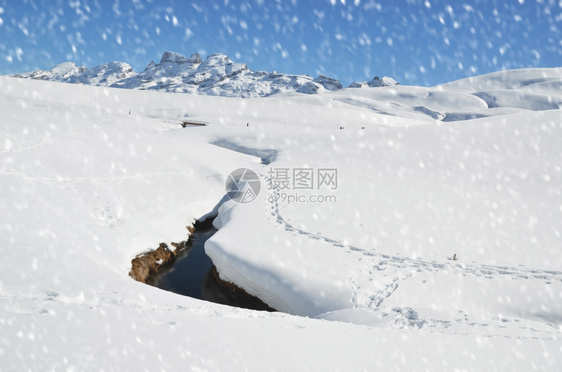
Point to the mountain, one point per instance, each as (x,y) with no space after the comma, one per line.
(217,75)
(385,81)
(61,72)
(103,75)
(68,72)
(220,76)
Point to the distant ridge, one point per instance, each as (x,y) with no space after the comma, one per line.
(217,75)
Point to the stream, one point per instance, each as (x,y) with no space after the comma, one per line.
(192,275)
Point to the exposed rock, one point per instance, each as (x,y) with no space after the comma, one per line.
(173,57)
(328,83)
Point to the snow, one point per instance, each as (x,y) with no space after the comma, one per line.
(90,176)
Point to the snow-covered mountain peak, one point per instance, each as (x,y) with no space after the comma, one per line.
(66,69)
(377,82)
(173,57)
(103,75)
(60,72)
(217,59)
(223,63)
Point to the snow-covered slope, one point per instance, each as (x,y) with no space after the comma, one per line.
(484,96)
(529,89)
(217,75)
(91,176)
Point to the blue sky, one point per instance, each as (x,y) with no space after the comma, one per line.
(417,42)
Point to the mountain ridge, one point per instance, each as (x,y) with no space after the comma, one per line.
(216,75)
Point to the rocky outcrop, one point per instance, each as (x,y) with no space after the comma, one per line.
(173,57)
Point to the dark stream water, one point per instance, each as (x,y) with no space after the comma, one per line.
(192,275)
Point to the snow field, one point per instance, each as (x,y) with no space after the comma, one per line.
(85,186)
